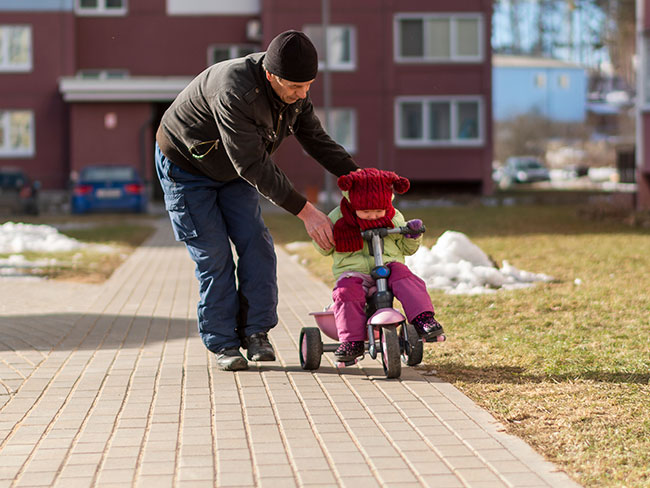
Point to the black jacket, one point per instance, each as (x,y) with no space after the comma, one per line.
(228,121)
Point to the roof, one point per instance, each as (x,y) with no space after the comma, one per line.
(136,88)
(502,60)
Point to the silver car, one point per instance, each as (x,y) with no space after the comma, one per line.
(525,169)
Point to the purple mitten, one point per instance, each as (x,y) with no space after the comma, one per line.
(416,226)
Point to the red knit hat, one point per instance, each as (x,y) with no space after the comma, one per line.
(372,189)
(368,189)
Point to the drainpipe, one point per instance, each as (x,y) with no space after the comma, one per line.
(142,135)
(640,97)
(327,99)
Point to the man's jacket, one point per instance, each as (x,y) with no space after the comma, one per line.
(228,121)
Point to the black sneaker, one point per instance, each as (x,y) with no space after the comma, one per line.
(348,351)
(259,348)
(230,359)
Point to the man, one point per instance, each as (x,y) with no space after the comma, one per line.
(213,158)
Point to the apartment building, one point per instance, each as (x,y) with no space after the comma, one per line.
(407,84)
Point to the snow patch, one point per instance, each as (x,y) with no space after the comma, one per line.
(458,266)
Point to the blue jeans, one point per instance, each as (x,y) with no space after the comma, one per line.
(235,300)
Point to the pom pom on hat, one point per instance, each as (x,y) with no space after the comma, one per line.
(371,188)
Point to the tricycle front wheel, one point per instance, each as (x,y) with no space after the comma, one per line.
(310,348)
(390,352)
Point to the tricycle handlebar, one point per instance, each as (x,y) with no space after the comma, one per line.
(384,231)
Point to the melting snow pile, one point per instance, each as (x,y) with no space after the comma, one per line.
(18,238)
(458,266)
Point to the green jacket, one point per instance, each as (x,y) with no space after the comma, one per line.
(396,246)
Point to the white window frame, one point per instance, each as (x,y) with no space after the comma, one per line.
(101,9)
(454,57)
(454,140)
(8,67)
(6,151)
(102,74)
(233,50)
(352,147)
(350,65)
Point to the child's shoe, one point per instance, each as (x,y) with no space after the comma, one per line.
(427,327)
(349,351)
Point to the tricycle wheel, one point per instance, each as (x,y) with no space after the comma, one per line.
(390,353)
(310,348)
(412,347)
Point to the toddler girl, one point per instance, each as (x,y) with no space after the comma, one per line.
(366,204)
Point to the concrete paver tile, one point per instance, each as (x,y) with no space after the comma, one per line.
(443,481)
(153,480)
(74,482)
(274,482)
(233,479)
(317,477)
(157,468)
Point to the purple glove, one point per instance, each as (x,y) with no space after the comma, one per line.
(414,225)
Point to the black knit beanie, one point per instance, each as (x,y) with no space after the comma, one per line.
(292,56)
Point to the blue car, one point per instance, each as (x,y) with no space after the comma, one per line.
(109,188)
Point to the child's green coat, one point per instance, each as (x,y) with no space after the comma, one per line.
(396,246)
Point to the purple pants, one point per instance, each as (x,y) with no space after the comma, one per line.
(350,292)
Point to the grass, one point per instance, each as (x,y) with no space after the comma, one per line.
(92,264)
(563,365)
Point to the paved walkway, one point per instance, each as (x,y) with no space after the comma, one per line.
(109,386)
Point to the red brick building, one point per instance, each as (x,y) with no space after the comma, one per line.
(408,83)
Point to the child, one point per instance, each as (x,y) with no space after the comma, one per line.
(367,205)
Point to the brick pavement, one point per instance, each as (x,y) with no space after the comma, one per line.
(109,386)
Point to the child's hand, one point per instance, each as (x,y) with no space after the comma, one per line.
(415,225)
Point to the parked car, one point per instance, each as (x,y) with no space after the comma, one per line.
(108,188)
(18,194)
(524,169)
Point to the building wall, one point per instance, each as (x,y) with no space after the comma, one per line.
(37,90)
(516,91)
(115,133)
(376,82)
(149,42)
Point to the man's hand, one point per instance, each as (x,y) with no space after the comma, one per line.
(318,226)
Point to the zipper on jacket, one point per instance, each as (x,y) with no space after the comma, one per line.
(277,129)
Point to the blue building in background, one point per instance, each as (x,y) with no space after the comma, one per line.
(550,88)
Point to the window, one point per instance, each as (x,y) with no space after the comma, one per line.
(563,81)
(438,38)
(433,121)
(102,74)
(100,7)
(16,133)
(540,80)
(341,126)
(15,48)
(221,52)
(341,46)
